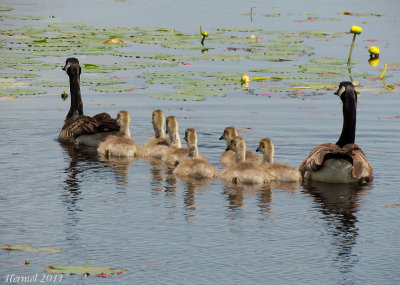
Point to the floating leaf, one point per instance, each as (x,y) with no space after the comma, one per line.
(23,17)
(9,92)
(329,60)
(4,9)
(111,88)
(51,84)
(35,67)
(101,81)
(179,95)
(84,270)
(18,75)
(27,248)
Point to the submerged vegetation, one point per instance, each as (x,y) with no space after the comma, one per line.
(42,48)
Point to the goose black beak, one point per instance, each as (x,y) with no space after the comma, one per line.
(221,138)
(258,149)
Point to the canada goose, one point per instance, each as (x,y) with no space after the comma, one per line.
(242,171)
(279,171)
(121,144)
(159,145)
(194,166)
(228,157)
(77,127)
(343,162)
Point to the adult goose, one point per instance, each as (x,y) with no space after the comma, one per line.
(343,162)
(78,128)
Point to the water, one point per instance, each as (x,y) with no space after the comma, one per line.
(138,216)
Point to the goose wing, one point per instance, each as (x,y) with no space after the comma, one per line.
(352,152)
(79,125)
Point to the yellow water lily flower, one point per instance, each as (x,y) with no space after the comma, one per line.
(373,61)
(356,30)
(64,96)
(245,78)
(373,51)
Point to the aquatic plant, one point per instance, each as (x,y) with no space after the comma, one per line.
(373,52)
(355,30)
(204,35)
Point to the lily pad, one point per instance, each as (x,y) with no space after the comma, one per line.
(111,88)
(179,95)
(18,75)
(24,17)
(4,9)
(27,248)
(102,81)
(51,84)
(84,270)
(16,92)
(329,60)
(35,67)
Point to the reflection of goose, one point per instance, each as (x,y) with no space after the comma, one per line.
(158,146)
(278,171)
(343,162)
(228,157)
(194,166)
(77,127)
(243,171)
(121,144)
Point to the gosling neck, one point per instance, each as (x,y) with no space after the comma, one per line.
(193,151)
(349,120)
(240,154)
(268,157)
(175,139)
(76,99)
(159,131)
(124,131)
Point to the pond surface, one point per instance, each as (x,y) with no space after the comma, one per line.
(136,215)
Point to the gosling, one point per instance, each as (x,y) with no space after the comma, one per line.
(120,145)
(228,157)
(242,171)
(278,171)
(158,146)
(194,166)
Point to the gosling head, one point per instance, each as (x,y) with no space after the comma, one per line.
(123,118)
(190,136)
(158,123)
(72,67)
(172,125)
(346,90)
(228,134)
(266,147)
(237,144)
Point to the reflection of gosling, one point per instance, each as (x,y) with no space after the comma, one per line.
(228,157)
(194,166)
(176,153)
(123,144)
(242,171)
(278,171)
(158,146)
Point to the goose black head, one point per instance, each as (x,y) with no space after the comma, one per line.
(72,67)
(346,88)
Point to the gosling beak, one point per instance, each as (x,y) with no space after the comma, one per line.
(258,149)
(221,138)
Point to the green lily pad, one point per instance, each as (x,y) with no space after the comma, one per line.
(111,88)
(51,84)
(244,30)
(329,60)
(276,70)
(179,95)
(84,270)
(270,58)
(27,248)
(35,67)
(102,81)
(4,9)
(24,17)
(18,75)
(17,92)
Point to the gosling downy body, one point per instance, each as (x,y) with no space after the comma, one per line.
(242,171)
(228,157)
(121,145)
(78,128)
(278,171)
(176,152)
(158,146)
(194,166)
(343,162)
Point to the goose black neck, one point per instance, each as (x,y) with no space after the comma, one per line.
(76,99)
(349,119)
